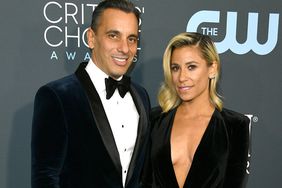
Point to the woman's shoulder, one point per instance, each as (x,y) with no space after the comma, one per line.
(234,119)
(232,115)
(158,118)
(155,114)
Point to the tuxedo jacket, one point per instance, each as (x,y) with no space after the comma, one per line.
(220,159)
(72,142)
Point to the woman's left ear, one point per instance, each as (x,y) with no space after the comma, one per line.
(213,70)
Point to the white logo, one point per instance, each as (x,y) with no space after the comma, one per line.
(254,119)
(230,42)
(67,24)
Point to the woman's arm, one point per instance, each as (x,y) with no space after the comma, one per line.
(238,155)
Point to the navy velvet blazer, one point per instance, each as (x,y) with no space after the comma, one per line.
(72,142)
(220,160)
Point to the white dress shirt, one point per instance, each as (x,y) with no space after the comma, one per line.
(122,116)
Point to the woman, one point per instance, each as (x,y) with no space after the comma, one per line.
(196,143)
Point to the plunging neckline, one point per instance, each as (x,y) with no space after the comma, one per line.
(197,149)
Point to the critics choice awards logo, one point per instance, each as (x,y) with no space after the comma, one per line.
(66,27)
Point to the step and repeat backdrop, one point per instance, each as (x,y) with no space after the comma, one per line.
(45,40)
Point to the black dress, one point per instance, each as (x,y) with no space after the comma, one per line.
(219,161)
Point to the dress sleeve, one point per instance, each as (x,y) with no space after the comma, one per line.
(49,140)
(236,174)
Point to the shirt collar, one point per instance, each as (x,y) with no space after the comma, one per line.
(97,76)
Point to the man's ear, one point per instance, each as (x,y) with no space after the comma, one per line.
(90,38)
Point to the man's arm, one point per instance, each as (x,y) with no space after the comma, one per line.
(49,139)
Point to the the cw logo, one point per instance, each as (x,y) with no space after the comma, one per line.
(230,42)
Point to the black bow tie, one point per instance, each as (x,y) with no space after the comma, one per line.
(123,86)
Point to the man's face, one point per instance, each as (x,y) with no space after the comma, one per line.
(114,43)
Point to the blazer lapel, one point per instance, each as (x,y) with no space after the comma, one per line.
(99,115)
(210,155)
(142,130)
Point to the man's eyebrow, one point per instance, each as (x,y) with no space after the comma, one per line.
(133,35)
(113,31)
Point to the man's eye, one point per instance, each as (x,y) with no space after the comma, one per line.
(132,39)
(112,36)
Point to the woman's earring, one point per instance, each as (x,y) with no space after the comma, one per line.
(212,77)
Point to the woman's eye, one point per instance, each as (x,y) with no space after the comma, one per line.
(174,68)
(191,67)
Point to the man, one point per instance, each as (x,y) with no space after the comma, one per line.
(82,135)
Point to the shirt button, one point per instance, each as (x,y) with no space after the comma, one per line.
(124,171)
(125,149)
(122,126)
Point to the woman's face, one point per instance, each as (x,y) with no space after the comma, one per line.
(190,73)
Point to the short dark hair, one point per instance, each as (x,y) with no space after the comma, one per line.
(123,5)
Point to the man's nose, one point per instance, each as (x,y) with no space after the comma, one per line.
(123,46)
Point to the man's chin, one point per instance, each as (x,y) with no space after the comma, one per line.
(117,75)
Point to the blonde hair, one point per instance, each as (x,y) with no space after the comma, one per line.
(168,97)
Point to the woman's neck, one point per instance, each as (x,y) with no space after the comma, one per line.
(196,108)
